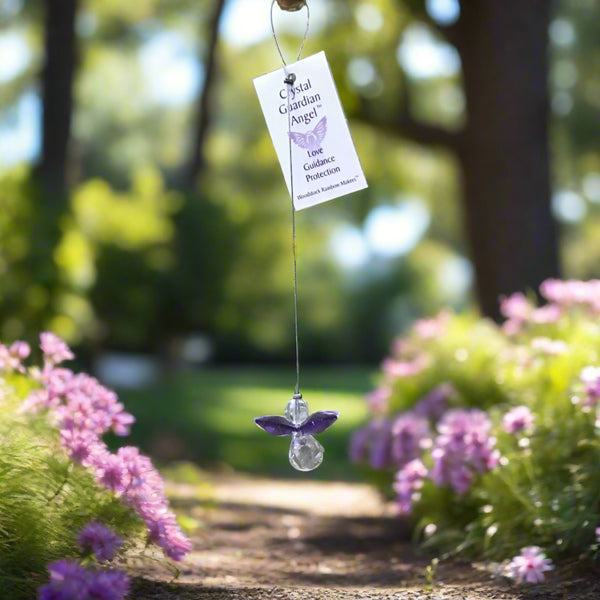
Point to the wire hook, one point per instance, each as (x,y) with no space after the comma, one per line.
(290,5)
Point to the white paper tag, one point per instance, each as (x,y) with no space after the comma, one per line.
(325,163)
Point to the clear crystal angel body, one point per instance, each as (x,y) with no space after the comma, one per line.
(305,453)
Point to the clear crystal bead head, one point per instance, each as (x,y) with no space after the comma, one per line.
(305,452)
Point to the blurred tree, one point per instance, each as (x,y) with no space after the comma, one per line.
(57,95)
(49,195)
(224,268)
(503,147)
(197,155)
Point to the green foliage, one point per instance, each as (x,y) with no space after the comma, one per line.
(46,499)
(138,267)
(20,297)
(545,491)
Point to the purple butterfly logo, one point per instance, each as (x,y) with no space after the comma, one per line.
(311,140)
(279,426)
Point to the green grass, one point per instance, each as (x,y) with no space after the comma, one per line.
(207,416)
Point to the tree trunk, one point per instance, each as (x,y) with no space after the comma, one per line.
(198,159)
(57,86)
(50,175)
(504,150)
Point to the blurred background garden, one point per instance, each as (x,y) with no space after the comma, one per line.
(144,218)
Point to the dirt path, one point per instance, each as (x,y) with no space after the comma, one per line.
(265,539)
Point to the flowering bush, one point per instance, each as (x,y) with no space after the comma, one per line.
(68,504)
(489,435)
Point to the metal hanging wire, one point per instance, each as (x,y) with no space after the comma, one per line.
(289,81)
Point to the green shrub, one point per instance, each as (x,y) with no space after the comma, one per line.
(57,476)
(489,435)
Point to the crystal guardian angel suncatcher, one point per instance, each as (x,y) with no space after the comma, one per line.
(305,453)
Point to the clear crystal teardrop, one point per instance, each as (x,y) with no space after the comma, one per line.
(306,453)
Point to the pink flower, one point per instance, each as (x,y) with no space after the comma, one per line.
(378,399)
(11,358)
(518,419)
(20,350)
(111,472)
(165,532)
(84,410)
(518,310)
(427,329)
(548,346)
(550,313)
(83,447)
(400,346)
(530,565)
(597,534)
(570,292)
(590,376)
(54,349)
(403,368)
(516,306)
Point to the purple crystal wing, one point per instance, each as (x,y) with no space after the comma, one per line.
(319,421)
(276,425)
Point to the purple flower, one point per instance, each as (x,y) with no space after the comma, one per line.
(54,349)
(102,541)
(373,441)
(597,534)
(380,443)
(435,403)
(410,434)
(409,481)
(530,565)
(518,419)
(108,585)
(462,448)
(70,581)
(359,445)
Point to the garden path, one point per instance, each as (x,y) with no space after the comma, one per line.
(291,540)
